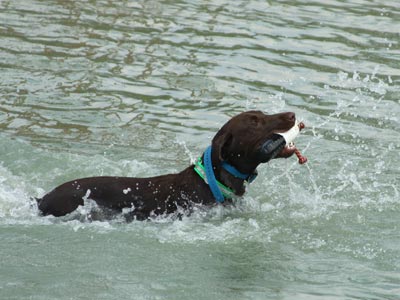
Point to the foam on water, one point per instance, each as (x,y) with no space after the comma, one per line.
(14,200)
(17,192)
(220,223)
(284,191)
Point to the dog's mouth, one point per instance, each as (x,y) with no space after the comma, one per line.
(290,147)
(281,145)
(287,151)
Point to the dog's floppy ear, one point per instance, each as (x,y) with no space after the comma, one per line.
(221,142)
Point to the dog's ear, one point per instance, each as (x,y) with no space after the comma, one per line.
(221,142)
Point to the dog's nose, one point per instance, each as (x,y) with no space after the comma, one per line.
(291,116)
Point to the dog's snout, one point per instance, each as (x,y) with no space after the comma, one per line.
(290,116)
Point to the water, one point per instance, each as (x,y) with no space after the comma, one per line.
(138,88)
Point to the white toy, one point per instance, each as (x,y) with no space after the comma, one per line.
(289,137)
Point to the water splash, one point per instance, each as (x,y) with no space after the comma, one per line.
(15,203)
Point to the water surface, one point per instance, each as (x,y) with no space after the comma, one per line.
(138,88)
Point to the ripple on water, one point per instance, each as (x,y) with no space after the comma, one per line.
(139,88)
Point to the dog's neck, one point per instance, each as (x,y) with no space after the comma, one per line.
(228,178)
(236,184)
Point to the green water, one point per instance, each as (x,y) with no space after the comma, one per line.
(138,88)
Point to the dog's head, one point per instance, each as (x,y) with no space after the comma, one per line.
(240,141)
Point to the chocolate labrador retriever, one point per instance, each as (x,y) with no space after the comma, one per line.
(243,143)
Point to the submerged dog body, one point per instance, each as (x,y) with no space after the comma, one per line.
(243,143)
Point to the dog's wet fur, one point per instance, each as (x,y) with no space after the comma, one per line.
(238,142)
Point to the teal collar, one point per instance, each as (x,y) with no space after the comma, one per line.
(227,192)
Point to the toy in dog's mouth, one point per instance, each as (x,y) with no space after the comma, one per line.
(280,144)
(290,147)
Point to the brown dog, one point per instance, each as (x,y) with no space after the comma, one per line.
(244,142)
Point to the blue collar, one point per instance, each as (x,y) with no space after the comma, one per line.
(218,190)
(236,173)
